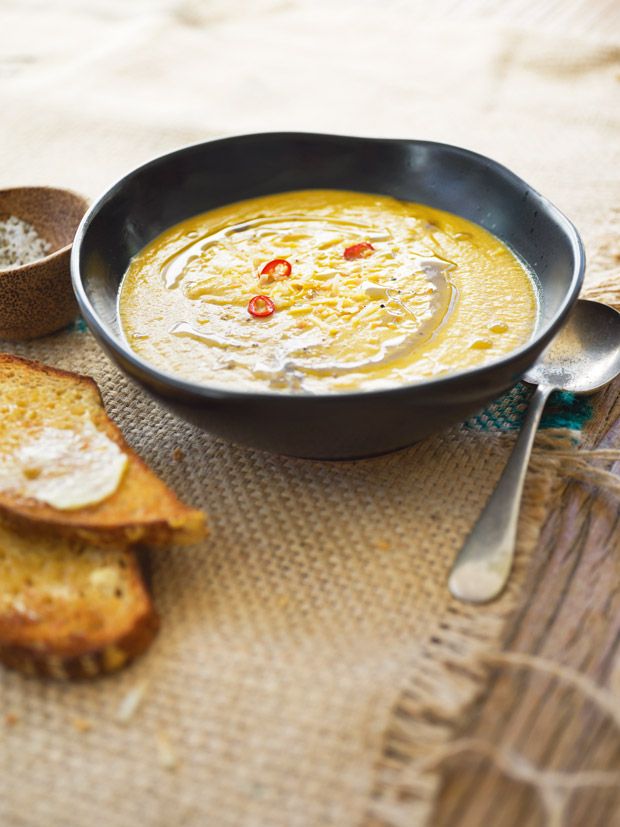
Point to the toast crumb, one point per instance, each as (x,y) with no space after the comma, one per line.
(166,755)
(82,725)
(178,454)
(130,702)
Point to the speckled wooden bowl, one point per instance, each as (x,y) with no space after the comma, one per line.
(37,298)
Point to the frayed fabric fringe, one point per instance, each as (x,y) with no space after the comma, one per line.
(418,742)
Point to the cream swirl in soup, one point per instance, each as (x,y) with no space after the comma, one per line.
(324,291)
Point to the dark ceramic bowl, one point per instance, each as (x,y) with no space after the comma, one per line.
(347,425)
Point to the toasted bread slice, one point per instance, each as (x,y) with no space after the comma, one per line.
(141,509)
(69,609)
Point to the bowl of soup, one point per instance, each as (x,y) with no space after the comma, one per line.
(324,296)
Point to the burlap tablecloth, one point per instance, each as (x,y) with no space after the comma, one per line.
(309,651)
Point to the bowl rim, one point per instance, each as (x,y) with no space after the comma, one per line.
(9,271)
(140,366)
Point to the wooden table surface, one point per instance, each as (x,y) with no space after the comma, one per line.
(571,616)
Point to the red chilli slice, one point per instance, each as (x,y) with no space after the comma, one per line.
(261,306)
(279,268)
(361,250)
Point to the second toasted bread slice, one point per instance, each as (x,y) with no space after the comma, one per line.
(66,466)
(69,609)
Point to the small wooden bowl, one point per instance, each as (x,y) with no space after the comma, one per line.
(37,298)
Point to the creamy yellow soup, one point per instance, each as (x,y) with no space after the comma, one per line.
(324,291)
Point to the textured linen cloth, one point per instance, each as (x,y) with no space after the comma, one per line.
(317,611)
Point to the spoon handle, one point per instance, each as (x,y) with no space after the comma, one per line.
(483,565)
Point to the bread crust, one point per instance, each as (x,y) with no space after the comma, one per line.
(88,660)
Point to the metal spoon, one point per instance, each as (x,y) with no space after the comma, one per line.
(583,358)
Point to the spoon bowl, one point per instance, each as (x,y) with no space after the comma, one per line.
(585,355)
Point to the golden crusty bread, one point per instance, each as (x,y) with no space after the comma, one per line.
(142,509)
(69,609)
